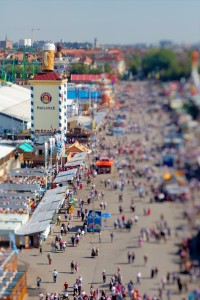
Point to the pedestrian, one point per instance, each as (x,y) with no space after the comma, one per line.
(72,266)
(49,258)
(75,288)
(79,288)
(139,242)
(152,273)
(104,276)
(111,236)
(66,285)
(120,209)
(55,274)
(104,205)
(145,259)
(115,224)
(38,282)
(66,215)
(41,296)
(129,257)
(138,279)
(58,219)
(40,250)
(76,267)
(73,240)
(133,257)
(168,294)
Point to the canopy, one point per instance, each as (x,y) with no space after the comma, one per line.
(106,215)
(26,147)
(77,147)
(19,187)
(65,176)
(175,189)
(44,212)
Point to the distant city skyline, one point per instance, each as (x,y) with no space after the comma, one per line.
(110,21)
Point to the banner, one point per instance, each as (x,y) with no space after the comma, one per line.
(94,221)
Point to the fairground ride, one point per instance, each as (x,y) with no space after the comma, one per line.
(12,70)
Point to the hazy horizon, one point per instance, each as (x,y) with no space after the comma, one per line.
(110,21)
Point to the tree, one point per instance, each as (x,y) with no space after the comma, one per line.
(79,69)
(83,69)
(135,64)
(167,63)
(107,68)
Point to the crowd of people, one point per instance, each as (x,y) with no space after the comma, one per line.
(135,158)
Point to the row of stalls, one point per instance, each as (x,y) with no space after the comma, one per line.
(39,224)
(54,200)
(17,201)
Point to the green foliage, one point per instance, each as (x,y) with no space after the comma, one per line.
(83,69)
(164,62)
(135,64)
(107,68)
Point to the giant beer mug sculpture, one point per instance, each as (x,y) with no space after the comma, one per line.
(48,57)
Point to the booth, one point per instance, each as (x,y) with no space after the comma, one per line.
(104,165)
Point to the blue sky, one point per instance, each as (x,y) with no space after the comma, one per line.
(111,21)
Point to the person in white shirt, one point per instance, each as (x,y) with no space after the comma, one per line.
(55,274)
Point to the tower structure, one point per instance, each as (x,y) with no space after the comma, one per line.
(48,101)
(195,74)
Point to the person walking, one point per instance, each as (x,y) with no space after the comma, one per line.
(38,282)
(40,250)
(139,242)
(112,236)
(49,258)
(72,266)
(58,220)
(129,257)
(104,276)
(55,274)
(145,259)
(133,257)
(76,267)
(120,209)
(138,278)
(66,286)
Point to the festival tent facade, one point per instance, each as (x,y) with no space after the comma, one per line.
(76,148)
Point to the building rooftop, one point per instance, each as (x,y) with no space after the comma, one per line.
(48,76)
(15,101)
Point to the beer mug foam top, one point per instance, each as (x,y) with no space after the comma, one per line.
(48,57)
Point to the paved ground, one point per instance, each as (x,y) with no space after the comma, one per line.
(112,255)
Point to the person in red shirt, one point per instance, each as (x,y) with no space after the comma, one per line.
(66,285)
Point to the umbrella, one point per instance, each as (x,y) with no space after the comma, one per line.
(72,201)
(106,215)
(141,191)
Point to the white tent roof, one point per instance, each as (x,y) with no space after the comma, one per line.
(5,150)
(65,176)
(15,101)
(12,222)
(44,212)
